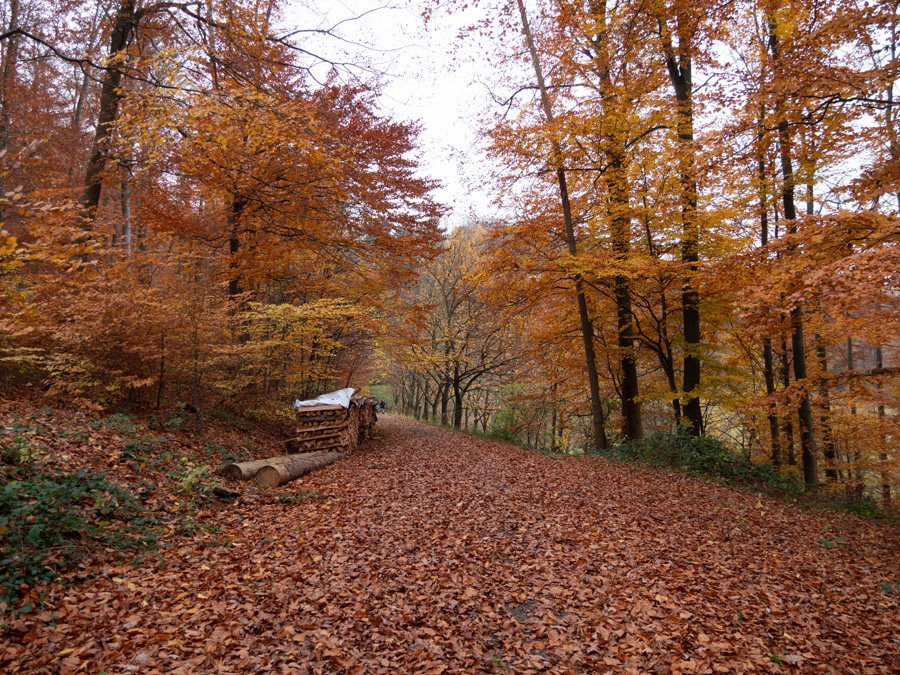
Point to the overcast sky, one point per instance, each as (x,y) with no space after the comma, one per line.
(429,76)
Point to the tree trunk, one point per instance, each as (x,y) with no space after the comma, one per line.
(587,327)
(127,19)
(798,343)
(126,214)
(273,475)
(883,456)
(828,449)
(768,360)
(83,89)
(680,74)
(238,205)
(457,399)
(445,402)
(798,347)
(619,213)
(417,398)
(247,470)
(553,418)
(856,482)
(893,146)
(434,402)
(788,425)
(662,347)
(10,66)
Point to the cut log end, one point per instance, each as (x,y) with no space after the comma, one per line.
(273,475)
(280,473)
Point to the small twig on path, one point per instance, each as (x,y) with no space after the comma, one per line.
(663,520)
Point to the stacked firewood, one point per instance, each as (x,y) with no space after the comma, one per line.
(322,427)
(325,433)
(333,427)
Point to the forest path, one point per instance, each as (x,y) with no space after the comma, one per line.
(432,551)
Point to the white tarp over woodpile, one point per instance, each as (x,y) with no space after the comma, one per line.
(340,397)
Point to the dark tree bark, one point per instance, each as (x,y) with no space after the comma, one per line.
(127,19)
(788,424)
(618,210)
(768,360)
(10,66)
(457,398)
(798,342)
(828,449)
(587,326)
(883,457)
(679,67)
(445,402)
(856,480)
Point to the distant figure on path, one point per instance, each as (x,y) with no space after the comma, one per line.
(381,406)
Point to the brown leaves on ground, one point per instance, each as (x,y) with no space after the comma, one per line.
(434,552)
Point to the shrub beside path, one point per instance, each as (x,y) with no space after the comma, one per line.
(431,551)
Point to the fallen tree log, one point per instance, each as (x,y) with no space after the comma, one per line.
(279,473)
(248,470)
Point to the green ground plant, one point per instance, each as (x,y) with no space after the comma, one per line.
(705,456)
(47,522)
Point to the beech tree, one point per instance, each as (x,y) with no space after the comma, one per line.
(230,167)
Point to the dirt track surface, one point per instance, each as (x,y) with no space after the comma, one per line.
(430,551)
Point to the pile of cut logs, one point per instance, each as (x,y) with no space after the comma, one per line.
(325,433)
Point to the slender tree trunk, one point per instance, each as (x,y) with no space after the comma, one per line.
(788,424)
(126,214)
(769,374)
(587,326)
(857,483)
(82,92)
(798,348)
(238,205)
(667,361)
(768,360)
(10,67)
(197,372)
(404,397)
(828,448)
(883,456)
(434,404)
(127,19)
(663,347)
(417,398)
(619,213)
(893,146)
(445,402)
(457,399)
(828,445)
(553,417)
(679,68)
(162,369)
(78,111)
(798,343)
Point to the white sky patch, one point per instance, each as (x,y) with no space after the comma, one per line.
(427,76)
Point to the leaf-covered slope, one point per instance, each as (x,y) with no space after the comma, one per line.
(432,551)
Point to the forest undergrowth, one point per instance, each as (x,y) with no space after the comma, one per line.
(432,551)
